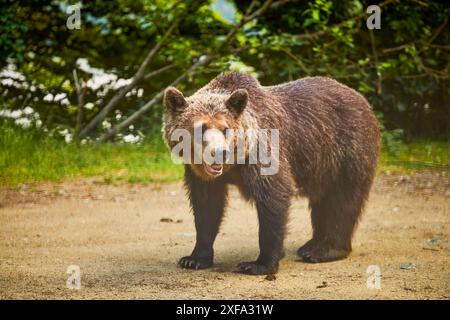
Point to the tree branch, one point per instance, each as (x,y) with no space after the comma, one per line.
(398,48)
(158,71)
(438,31)
(427,42)
(202,61)
(297,60)
(375,60)
(81,93)
(247,18)
(136,78)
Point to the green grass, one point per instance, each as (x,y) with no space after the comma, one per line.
(27,156)
(418,155)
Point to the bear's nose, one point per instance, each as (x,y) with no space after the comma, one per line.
(221,154)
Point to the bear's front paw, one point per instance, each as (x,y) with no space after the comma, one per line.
(191,262)
(256,268)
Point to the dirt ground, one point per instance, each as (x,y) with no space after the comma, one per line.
(127,240)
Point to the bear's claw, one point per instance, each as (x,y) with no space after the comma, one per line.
(191,262)
(320,252)
(256,268)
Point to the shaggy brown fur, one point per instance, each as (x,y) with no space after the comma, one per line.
(329,147)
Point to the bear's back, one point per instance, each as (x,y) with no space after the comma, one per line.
(231,81)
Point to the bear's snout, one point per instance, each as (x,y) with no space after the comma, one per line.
(221,154)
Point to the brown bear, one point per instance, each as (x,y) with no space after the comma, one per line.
(329,142)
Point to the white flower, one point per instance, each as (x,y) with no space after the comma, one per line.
(129,138)
(65,102)
(38,123)
(106,124)
(23,122)
(15,114)
(131,127)
(140,92)
(28,110)
(10,72)
(59,96)
(99,76)
(48,97)
(100,80)
(56,59)
(7,82)
(68,138)
(121,83)
(89,106)
(5,113)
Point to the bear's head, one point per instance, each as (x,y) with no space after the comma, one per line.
(205,125)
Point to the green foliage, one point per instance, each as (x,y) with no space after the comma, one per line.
(402,69)
(422,154)
(12,32)
(392,141)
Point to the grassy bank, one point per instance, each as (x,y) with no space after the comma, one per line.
(418,155)
(27,156)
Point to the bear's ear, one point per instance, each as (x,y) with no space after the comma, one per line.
(174,100)
(237,101)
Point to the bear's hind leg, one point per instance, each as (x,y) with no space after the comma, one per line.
(333,218)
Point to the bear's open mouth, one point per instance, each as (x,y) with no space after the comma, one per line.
(214,169)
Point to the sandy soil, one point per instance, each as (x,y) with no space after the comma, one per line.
(127,239)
